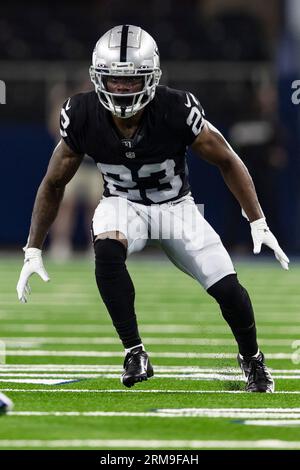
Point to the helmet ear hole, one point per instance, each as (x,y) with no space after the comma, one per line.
(112,56)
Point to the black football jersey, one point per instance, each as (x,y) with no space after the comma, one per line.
(149,168)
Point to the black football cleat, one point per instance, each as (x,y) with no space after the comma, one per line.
(137,367)
(5,404)
(257,374)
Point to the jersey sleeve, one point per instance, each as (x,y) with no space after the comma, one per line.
(72,120)
(190,116)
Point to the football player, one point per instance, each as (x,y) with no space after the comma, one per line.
(138,132)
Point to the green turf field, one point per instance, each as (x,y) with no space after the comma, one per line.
(64,361)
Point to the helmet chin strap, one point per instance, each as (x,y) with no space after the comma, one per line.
(123,112)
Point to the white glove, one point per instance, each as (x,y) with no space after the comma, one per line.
(33,263)
(261,234)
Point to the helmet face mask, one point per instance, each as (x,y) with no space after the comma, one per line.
(142,61)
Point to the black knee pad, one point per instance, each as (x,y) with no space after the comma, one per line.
(228,291)
(110,256)
(234,300)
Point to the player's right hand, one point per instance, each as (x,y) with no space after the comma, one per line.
(33,263)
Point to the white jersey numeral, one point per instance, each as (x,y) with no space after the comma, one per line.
(195,120)
(110,172)
(65,119)
(120,175)
(195,117)
(174,180)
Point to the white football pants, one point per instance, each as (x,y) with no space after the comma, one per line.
(178,227)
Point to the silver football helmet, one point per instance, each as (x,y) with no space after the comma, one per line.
(126,51)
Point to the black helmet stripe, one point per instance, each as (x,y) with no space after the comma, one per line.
(123,48)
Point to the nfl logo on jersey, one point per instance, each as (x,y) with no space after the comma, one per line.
(128,145)
(130,154)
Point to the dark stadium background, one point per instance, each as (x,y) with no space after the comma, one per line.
(235,56)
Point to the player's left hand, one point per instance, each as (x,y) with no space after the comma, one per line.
(261,234)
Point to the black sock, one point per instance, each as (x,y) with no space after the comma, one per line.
(116,289)
(237,310)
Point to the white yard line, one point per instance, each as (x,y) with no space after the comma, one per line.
(40,381)
(53,379)
(49,301)
(154,444)
(84,368)
(231,413)
(124,390)
(273,422)
(94,328)
(148,297)
(46,297)
(231,409)
(21,341)
(91,316)
(178,355)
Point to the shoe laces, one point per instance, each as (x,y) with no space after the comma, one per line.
(132,357)
(257,369)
